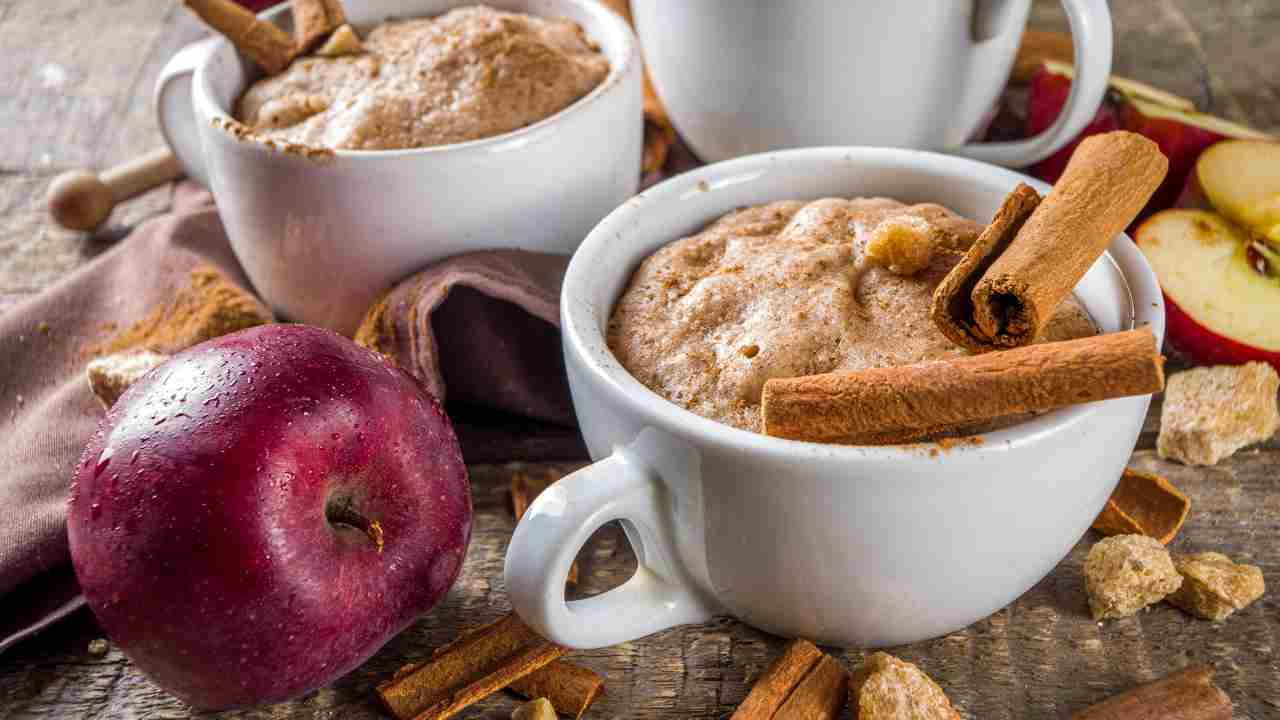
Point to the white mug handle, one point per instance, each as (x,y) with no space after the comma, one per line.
(1090,22)
(557,525)
(175,111)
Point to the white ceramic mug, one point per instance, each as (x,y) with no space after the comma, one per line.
(745,76)
(850,546)
(320,239)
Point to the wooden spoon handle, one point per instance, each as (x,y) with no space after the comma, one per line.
(80,200)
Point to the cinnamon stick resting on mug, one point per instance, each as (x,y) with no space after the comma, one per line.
(1034,252)
(263,42)
(902,404)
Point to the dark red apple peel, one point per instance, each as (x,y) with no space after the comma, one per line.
(260,514)
(1205,347)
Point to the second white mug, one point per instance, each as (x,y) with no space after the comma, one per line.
(745,76)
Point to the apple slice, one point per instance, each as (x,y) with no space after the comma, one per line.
(1221,287)
(1131,88)
(1241,179)
(1045,98)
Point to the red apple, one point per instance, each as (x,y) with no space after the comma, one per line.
(261,513)
(258,5)
(1045,100)
(1241,180)
(1167,119)
(1221,287)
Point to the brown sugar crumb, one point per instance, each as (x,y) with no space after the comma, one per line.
(343,41)
(540,709)
(110,376)
(903,244)
(1213,586)
(1125,573)
(209,306)
(886,688)
(1211,412)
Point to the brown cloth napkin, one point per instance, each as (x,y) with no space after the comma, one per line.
(479,328)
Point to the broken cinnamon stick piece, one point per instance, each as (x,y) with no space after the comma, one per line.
(313,20)
(900,404)
(821,695)
(773,687)
(262,42)
(1188,694)
(1011,282)
(524,490)
(1144,504)
(473,667)
(570,688)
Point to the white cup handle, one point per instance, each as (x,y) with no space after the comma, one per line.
(174,109)
(1090,22)
(557,525)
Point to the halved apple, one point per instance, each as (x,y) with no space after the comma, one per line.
(1221,287)
(1241,179)
(1130,87)
(1168,119)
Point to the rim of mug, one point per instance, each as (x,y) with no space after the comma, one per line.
(619,32)
(586,339)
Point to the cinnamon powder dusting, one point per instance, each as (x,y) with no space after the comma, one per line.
(209,306)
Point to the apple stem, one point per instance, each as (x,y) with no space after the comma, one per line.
(341,510)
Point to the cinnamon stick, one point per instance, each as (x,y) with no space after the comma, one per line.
(1188,694)
(313,20)
(1031,257)
(773,687)
(570,688)
(899,404)
(524,490)
(262,42)
(468,670)
(821,695)
(1144,504)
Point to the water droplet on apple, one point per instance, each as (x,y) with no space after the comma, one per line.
(95,511)
(104,459)
(134,457)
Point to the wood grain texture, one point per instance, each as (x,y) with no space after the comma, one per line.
(81,96)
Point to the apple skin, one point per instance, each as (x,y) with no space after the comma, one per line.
(1203,346)
(199,521)
(258,5)
(1181,144)
(1186,248)
(1173,131)
(1046,97)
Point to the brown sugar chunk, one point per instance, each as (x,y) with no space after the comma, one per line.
(110,376)
(903,244)
(1213,586)
(886,688)
(540,709)
(1126,573)
(1211,412)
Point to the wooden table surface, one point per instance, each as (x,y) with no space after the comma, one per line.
(76,81)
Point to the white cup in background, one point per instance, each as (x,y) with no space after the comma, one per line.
(320,239)
(745,76)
